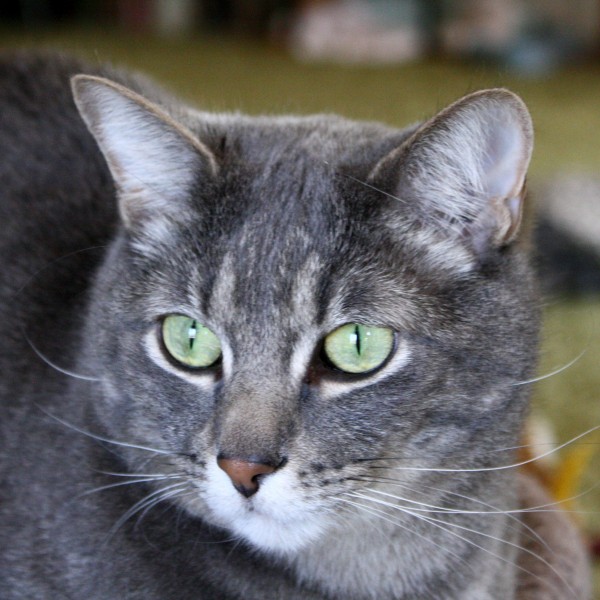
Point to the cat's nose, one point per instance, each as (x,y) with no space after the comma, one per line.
(245,474)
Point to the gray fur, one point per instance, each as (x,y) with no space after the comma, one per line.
(285,229)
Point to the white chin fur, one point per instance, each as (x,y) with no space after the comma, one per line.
(276,519)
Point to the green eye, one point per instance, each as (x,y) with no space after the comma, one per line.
(358,348)
(189,342)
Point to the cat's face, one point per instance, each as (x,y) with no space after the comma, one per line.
(295,310)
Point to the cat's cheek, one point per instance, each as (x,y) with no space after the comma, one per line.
(276,519)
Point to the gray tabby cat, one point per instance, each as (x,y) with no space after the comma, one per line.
(264,358)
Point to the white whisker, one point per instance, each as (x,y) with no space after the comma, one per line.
(511,514)
(372,187)
(123,483)
(152,475)
(513,511)
(553,373)
(520,548)
(519,527)
(55,366)
(552,445)
(104,439)
(156,501)
(501,467)
(383,515)
(150,499)
(428,508)
(443,525)
(54,262)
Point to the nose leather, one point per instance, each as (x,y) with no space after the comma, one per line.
(244,474)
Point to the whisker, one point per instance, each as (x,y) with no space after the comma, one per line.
(501,467)
(152,475)
(449,223)
(145,461)
(55,366)
(123,483)
(443,525)
(53,262)
(431,509)
(520,527)
(383,515)
(514,511)
(542,507)
(538,445)
(372,187)
(572,441)
(530,532)
(157,501)
(344,514)
(428,508)
(32,278)
(104,439)
(555,372)
(141,504)
(503,541)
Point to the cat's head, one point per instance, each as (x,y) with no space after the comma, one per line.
(297,308)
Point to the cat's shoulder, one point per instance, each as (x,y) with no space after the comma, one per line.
(57,194)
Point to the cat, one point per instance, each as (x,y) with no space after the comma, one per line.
(265,357)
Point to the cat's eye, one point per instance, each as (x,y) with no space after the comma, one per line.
(189,342)
(356,348)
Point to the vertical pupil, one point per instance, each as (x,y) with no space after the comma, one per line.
(357,338)
(192,334)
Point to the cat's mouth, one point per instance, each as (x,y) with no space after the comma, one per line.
(277,518)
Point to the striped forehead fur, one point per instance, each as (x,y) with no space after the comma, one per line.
(432,250)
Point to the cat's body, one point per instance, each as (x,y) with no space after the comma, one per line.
(274,233)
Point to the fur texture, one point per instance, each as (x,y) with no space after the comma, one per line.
(272,232)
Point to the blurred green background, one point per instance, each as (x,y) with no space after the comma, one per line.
(228,64)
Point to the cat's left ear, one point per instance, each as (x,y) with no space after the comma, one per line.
(154,161)
(463,171)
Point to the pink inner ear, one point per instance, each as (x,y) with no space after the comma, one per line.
(515,204)
(505,159)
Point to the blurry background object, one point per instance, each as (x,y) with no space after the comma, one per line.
(568,233)
(359,31)
(528,36)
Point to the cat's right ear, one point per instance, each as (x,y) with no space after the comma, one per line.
(154,161)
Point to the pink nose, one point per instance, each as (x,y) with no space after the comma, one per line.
(244,475)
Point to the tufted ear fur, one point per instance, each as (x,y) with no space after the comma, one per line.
(153,159)
(464,170)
